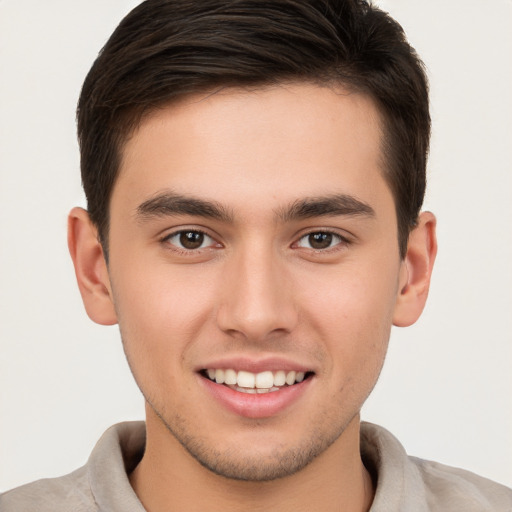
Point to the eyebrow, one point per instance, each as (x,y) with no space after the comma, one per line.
(336,204)
(172,204)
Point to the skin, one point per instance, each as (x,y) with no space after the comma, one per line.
(255,289)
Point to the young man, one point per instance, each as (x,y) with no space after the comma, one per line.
(254,174)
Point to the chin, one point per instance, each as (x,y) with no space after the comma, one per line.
(244,460)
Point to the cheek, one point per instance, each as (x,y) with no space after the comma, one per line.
(160,313)
(353,311)
(354,294)
(354,323)
(156,293)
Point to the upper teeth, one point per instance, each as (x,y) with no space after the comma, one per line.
(262,380)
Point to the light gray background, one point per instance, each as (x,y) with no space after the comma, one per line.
(445,391)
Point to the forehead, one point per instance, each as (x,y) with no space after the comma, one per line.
(279,142)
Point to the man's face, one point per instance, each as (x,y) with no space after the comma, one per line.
(252,236)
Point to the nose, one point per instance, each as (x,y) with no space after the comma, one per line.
(257,299)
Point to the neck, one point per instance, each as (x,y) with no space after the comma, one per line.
(168,479)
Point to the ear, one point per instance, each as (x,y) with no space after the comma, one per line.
(416,271)
(90,268)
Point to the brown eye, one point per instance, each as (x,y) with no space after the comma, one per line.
(190,240)
(320,240)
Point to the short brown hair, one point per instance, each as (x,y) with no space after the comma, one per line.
(166,49)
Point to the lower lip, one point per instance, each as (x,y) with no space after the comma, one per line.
(256,406)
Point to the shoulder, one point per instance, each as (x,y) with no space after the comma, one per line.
(102,484)
(70,492)
(453,487)
(405,483)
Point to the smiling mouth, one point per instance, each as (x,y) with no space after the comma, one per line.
(255,383)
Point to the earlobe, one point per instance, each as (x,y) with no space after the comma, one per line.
(90,268)
(416,271)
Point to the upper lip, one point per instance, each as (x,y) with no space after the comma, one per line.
(255,365)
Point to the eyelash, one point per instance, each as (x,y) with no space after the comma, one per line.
(190,251)
(340,241)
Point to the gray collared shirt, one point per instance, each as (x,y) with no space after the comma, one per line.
(404,484)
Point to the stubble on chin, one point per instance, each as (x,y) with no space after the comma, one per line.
(246,464)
